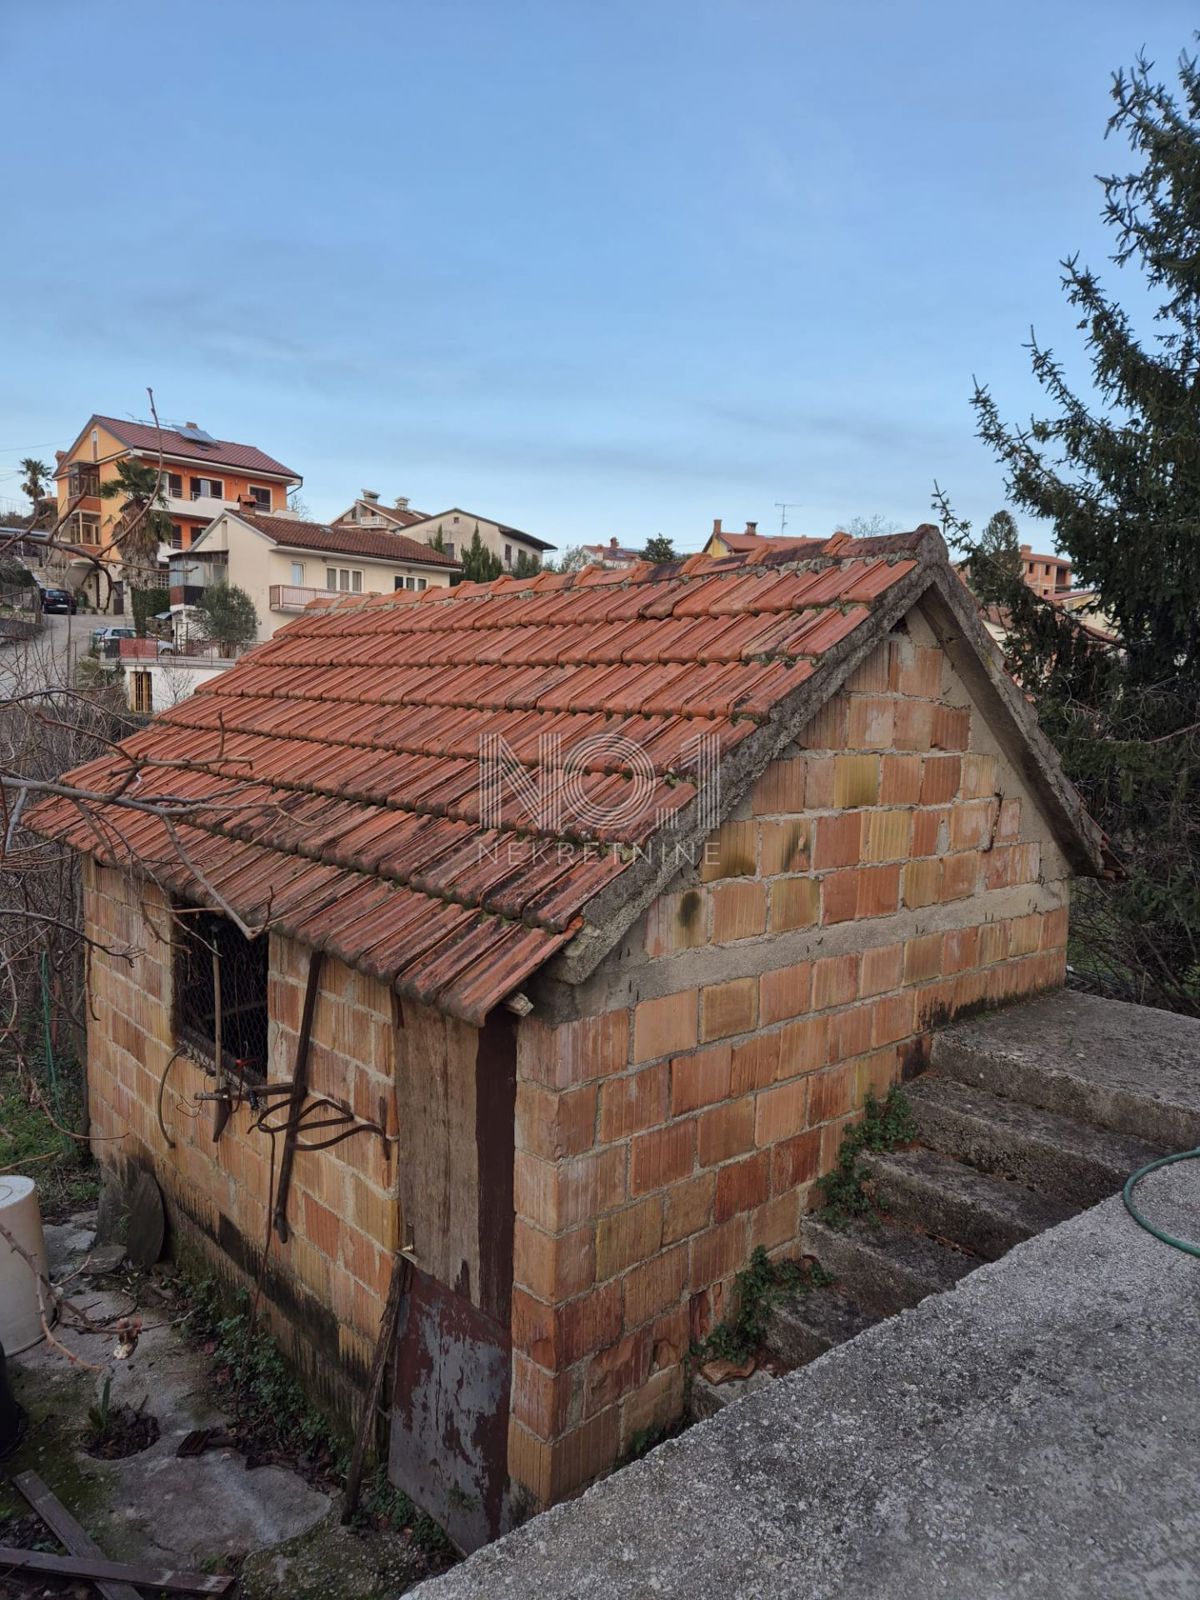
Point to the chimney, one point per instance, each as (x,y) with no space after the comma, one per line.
(371,495)
(1026,549)
(247,502)
(752,527)
(716,524)
(192,425)
(612,545)
(401,502)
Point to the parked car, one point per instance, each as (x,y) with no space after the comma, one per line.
(111,635)
(59,600)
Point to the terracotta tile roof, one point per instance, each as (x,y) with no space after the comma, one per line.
(338,765)
(402,516)
(142,437)
(380,543)
(760,543)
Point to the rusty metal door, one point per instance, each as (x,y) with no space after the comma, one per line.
(449,1444)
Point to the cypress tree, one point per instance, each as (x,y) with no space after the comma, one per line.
(1116,472)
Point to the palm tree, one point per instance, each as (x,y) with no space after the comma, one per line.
(143,523)
(35,484)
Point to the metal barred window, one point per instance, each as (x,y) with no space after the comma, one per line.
(221,989)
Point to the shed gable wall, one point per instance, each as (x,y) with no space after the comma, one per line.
(888,871)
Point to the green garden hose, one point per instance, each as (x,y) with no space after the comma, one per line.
(1131,1184)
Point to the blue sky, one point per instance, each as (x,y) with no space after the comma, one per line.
(592,268)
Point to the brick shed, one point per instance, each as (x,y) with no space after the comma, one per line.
(596,902)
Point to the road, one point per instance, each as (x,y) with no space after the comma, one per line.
(47,661)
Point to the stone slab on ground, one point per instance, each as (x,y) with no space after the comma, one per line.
(169,1511)
(1032,1432)
(1119,1066)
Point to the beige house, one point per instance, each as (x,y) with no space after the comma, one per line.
(457,528)
(283,563)
(369,511)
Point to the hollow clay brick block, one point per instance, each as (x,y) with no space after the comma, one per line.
(784,846)
(742,1185)
(633,1102)
(870,722)
(960,950)
(881,969)
(719,1252)
(923,958)
(677,922)
(921,883)
(914,724)
(855,781)
(558,1196)
(626,1237)
(755,1063)
(700,1078)
(552,1125)
(979,777)
(689,1206)
(886,835)
(725,1131)
(778,1221)
(941,777)
(951,728)
(784,993)
(662,1157)
(803,1046)
(835,981)
(779,1113)
(739,911)
(781,788)
(664,1026)
(960,875)
(655,1285)
(729,852)
(899,780)
(795,903)
(798,1161)
(553,1266)
(728,1008)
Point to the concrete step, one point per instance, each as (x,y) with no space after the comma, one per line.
(801,1327)
(883,1266)
(985,1215)
(1054,1155)
(1127,1068)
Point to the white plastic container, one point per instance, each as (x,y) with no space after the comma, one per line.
(20,1324)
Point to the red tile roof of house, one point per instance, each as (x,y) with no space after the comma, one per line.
(338,766)
(402,516)
(144,438)
(380,543)
(760,543)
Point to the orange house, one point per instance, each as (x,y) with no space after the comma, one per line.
(201,477)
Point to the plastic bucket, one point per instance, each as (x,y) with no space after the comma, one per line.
(20,1322)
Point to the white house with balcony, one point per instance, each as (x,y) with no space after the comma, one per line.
(455,528)
(283,563)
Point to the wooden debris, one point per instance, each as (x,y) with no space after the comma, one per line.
(96,1569)
(60,1522)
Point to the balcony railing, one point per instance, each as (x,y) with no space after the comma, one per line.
(290,597)
(203,505)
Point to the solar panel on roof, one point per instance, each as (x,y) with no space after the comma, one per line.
(198,435)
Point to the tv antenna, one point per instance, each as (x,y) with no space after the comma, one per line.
(783,507)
